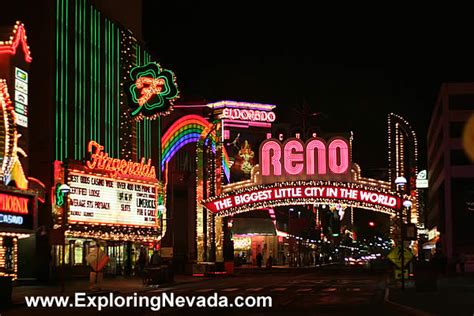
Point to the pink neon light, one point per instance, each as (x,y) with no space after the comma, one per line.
(310,156)
(244,124)
(294,157)
(271,155)
(343,156)
(260,124)
(249,115)
(236,125)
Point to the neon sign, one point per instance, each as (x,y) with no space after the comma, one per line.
(296,160)
(248,115)
(11,219)
(13,204)
(17,210)
(100,160)
(294,193)
(151,91)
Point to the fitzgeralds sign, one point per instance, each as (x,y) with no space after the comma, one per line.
(151,91)
(100,160)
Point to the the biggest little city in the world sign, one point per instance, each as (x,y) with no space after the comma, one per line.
(293,192)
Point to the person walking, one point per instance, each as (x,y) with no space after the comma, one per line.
(270,262)
(259,260)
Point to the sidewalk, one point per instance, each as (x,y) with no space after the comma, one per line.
(118,285)
(454,296)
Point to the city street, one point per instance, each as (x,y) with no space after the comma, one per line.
(330,290)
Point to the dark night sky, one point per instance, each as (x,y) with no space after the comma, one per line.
(355,66)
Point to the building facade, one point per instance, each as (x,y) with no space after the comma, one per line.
(76,82)
(451,173)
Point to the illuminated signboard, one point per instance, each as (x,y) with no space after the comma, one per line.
(17,211)
(151,91)
(248,115)
(289,193)
(422,180)
(124,193)
(296,160)
(21,97)
(97,199)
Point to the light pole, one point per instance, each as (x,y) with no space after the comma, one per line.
(65,189)
(400,182)
(161,211)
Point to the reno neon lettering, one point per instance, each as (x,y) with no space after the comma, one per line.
(294,159)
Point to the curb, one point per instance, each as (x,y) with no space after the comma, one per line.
(407,310)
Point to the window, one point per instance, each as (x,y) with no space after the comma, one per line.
(456,129)
(461,102)
(459,158)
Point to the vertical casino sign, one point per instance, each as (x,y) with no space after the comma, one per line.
(151,91)
(15,60)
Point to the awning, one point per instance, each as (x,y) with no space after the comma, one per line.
(253,226)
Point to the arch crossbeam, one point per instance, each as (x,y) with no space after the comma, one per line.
(304,192)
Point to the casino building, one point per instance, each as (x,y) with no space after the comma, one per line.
(85,138)
(19,193)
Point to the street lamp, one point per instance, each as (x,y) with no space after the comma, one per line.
(64,189)
(161,211)
(400,182)
(407,203)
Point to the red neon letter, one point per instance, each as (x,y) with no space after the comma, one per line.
(271,159)
(294,157)
(343,155)
(310,156)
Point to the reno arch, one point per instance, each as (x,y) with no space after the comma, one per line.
(314,159)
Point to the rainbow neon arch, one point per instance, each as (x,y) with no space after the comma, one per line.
(187,130)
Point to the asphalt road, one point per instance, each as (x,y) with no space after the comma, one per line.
(331,290)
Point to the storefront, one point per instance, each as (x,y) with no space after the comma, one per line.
(252,236)
(17,221)
(113,203)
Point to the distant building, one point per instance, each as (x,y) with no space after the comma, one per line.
(450,173)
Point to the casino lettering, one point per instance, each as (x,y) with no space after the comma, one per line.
(13,204)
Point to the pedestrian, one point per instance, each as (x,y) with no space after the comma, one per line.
(270,262)
(155,259)
(259,260)
(141,262)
